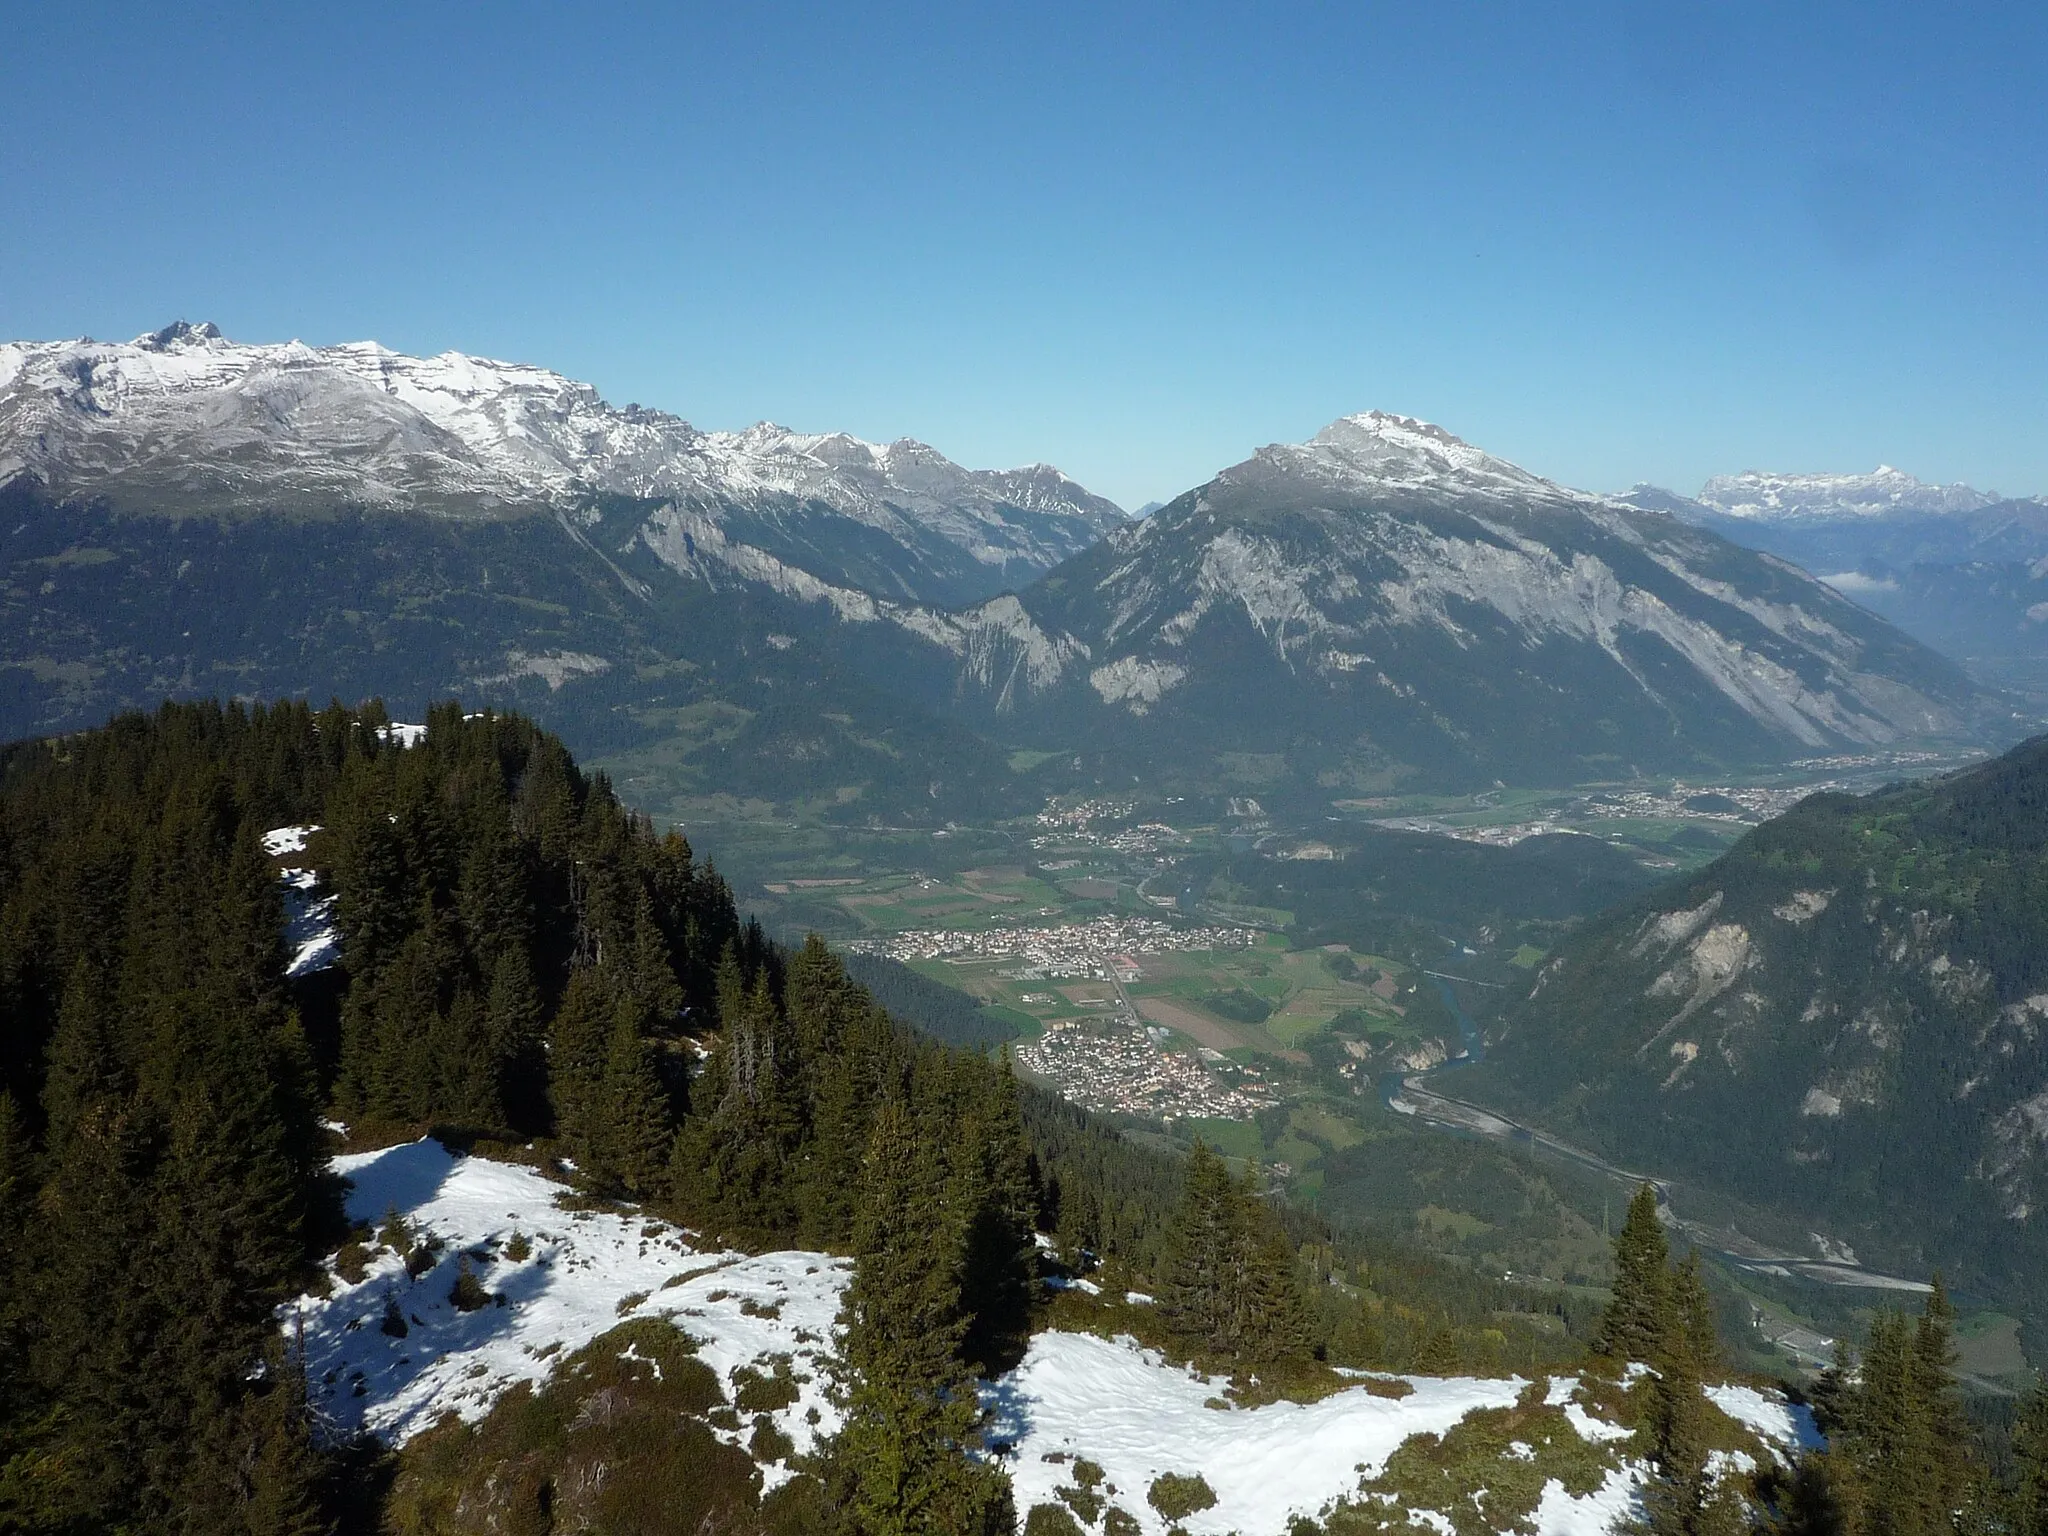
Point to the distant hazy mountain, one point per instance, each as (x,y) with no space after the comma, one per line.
(1884,492)
(1387,600)
(1843,1019)
(187,421)
(1963,570)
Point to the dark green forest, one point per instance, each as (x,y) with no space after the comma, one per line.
(526,963)
(1840,1019)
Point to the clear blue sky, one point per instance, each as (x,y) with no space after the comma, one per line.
(1612,241)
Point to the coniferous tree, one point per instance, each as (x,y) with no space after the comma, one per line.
(2030,1463)
(1904,1454)
(998,1258)
(16,1175)
(1277,1324)
(1638,1319)
(515,1035)
(735,1164)
(1816,1501)
(912,1417)
(1950,1473)
(632,1125)
(1692,1320)
(1229,1283)
(579,1045)
(83,1068)
(1194,1293)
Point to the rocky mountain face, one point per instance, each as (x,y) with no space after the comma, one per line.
(185,421)
(1844,1018)
(1963,570)
(787,617)
(1386,600)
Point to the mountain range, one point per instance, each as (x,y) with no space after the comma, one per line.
(184,421)
(1962,569)
(811,618)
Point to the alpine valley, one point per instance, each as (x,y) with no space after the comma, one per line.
(1074,1098)
(797,619)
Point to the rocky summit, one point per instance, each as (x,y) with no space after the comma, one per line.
(1386,599)
(185,421)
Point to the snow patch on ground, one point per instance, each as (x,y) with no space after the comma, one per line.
(1594,1431)
(1783,1425)
(1115,1402)
(279,841)
(1599,1512)
(587,1271)
(1125,1408)
(311,928)
(310,925)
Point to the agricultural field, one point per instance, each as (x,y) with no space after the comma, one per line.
(1262,1000)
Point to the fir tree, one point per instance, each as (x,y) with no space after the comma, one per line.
(2030,1463)
(735,1163)
(83,1068)
(513,1029)
(1637,1324)
(912,1418)
(1277,1323)
(998,1256)
(579,1045)
(1201,1254)
(1230,1286)
(1815,1501)
(631,1125)
(1692,1320)
(1950,1456)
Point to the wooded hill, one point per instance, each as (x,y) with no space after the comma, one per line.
(1844,1018)
(523,961)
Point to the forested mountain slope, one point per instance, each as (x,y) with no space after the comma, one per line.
(1845,1017)
(528,971)
(519,958)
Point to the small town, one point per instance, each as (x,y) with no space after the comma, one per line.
(1097,950)
(1118,1070)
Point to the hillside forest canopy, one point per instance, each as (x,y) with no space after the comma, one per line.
(528,969)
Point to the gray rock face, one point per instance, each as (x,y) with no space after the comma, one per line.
(1389,583)
(186,421)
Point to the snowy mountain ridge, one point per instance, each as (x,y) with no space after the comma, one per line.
(1392,569)
(186,413)
(1383,451)
(1820,498)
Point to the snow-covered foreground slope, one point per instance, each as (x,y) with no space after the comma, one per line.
(580,1273)
(585,1272)
(1127,1410)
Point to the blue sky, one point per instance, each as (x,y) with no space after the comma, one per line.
(1612,241)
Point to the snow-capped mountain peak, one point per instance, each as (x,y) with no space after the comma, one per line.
(1827,498)
(184,418)
(179,333)
(1381,450)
